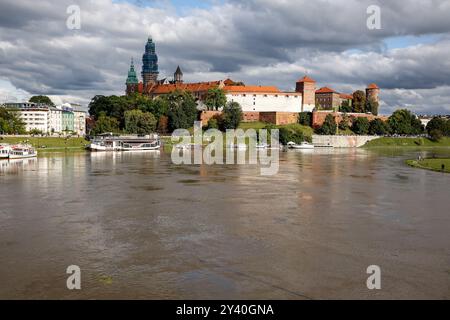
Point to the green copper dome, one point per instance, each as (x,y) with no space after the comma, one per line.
(132,78)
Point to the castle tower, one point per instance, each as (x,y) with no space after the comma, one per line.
(132,80)
(373,92)
(178,76)
(307,87)
(150,64)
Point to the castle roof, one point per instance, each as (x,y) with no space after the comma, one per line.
(252,89)
(306,79)
(346,96)
(325,90)
(372,86)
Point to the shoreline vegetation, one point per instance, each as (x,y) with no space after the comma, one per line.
(433,164)
(416,142)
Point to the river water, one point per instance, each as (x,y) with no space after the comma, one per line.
(140,227)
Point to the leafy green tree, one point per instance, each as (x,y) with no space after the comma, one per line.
(42,99)
(213,123)
(402,121)
(329,126)
(10,122)
(139,122)
(345,122)
(345,106)
(182,111)
(305,118)
(378,127)
(437,123)
(105,124)
(359,101)
(372,106)
(361,125)
(436,135)
(232,116)
(447,128)
(215,99)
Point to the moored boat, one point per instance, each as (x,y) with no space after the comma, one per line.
(22,151)
(303,145)
(4,151)
(109,142)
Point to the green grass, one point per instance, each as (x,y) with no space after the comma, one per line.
(407,142)
(431,164)
(346,132)
(252,125)
(48,143)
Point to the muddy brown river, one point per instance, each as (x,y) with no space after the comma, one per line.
(140,227)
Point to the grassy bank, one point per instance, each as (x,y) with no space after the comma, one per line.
(431,164)
(48,143)
(407,142)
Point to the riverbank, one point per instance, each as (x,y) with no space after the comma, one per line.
(440,165)
(407,142)
(48,143)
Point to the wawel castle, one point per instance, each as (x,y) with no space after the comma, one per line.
(259,103)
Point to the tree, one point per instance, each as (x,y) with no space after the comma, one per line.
(359,101)
(182,109)
(345,122)
(378,127)
(215,99)
(232,116)
(361,125)
(42,99)
(372,106)
(402,121)
(213,123)
(305,118)
(105,124)
(139,122)
(437,123)
(329,126)
(436,135)
(10,122)
(345,106)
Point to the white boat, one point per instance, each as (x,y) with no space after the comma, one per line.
(108,142)
(22,151)
(262,146)
(303,145)
(4,151)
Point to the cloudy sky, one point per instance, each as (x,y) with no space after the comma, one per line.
(262,42)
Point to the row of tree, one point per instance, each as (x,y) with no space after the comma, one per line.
(401,122)
(141,114)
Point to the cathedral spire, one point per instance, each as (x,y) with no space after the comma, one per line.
(150,63)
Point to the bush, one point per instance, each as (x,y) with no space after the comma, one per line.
(361,126)
(305,118)
(231,117)
(345,122)
(213,123)
(404,122)
(329,126)
(437,123)
(378,127)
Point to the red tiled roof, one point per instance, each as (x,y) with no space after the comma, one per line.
(265,89)
(372,86)
(192,87)
(325,90)
(306,79)
(346,96)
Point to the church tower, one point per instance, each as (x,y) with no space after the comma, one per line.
(178,76)
(132,80)
(150,64)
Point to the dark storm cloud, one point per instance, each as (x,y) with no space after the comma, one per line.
(259,41)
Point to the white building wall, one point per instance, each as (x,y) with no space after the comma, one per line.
(35,119)
(79,122)
(261,102)
(55,121)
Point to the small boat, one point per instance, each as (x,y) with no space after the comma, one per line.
(141,146)
(22,151)
(239,146)
(303,145)
(109,142)
(4,151)
(262,146)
